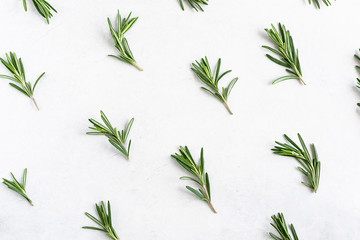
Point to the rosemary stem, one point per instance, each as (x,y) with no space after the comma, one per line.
(228,108)
(33,99)
(225,103)
(302,80)
(208,198)
(137,66)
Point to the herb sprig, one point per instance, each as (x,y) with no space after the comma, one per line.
(289,56)
(203,70)
(282,228)
(18,187)
(116,138)
(358,67)
(200,177)
(317,3)
(310,165)
(104,221)
(195,4)
(16,67)
(43,7)
(121,44)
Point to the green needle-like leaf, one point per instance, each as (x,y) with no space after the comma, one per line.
(104,221)
(118,34)
(116,138)
(18,187)
(282,228)
(203,70)
(310,165)
(16,67)
(43,7)
(288,55)
(195,4)
(317,3)
(358,67)
(199,176)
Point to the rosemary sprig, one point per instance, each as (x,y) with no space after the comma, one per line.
(16,67)
(43,7)
(289,56)
(18,187)
(123,25)
(195,4)
(116,138)
(282,228)
(104,221)
(198,172)
(310,165)
(358,67)
(317,3)
(203,70)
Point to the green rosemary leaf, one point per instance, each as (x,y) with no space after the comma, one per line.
(38,80)
(121,44)
(203,70)
(289,57)
(16,68)
(199,176)
(197,193)
(25,5)
(282,228)
(195,4)
(116,139)
(358,67)
(317,3)
(18,187)
(309,163)
(104,221)
(43,7)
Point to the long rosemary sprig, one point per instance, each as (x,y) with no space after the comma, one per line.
(310,165)
(203,70)
(358,67)
(18,187)
(195,4)
(282,228)
(317,3)
(16,67)
(43,7)
(123,25)
(116,138)
(104,221)
(198,172)
(289,56)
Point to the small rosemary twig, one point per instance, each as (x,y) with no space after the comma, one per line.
(195,4)
(104,221)
(282,228)
(317,3)
(203,70)
(289,56)
(116,138)
(43,7)
(358,67)
(16,67)
(121,44)
(310,165)
(18,187)
(199,175)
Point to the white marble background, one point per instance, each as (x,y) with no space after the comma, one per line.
(68,171)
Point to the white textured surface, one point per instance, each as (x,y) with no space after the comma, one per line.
(70,171)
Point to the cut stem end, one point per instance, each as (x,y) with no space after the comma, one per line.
(212,207)
(137,66)
(228,108)
(33,100)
